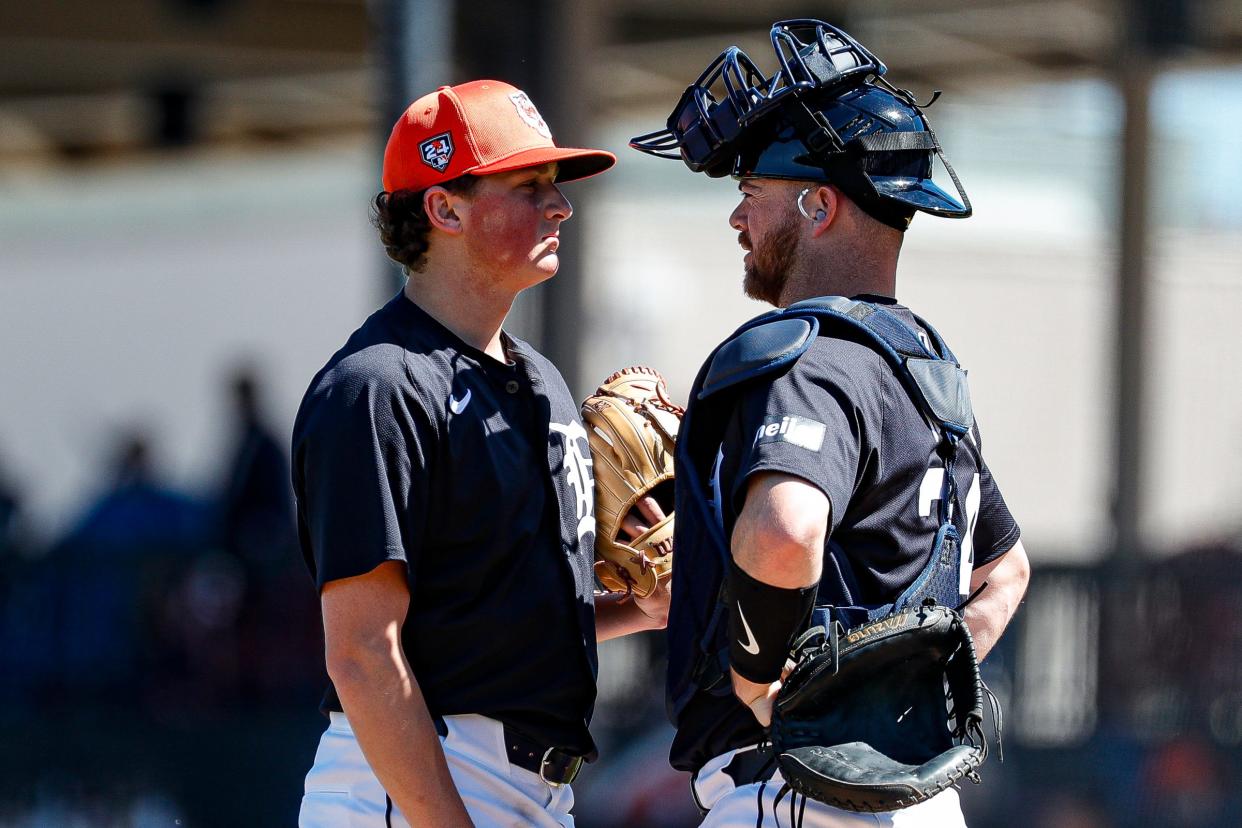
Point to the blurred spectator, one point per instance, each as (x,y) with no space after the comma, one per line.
(20,598)
(1062,809)
(137,510)
(1185,783)
(126,547)
(256,503)
(10,520)
(279,649)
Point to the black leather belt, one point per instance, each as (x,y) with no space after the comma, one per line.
(553,765)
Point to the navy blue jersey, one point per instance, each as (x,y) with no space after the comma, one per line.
(413,446)
(840,419)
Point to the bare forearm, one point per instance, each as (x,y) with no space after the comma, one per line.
(987,619)
(615,616)
(618,614)
(390,719)
(989,614)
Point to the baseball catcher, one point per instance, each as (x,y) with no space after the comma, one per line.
(632,429)
(831,477)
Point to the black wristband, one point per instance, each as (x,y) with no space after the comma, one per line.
(763,621)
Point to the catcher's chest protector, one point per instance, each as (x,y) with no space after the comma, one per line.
(935,382)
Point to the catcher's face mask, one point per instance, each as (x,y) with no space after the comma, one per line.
(705,128)
(827,114)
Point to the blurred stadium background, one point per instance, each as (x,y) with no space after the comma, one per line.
(184,239)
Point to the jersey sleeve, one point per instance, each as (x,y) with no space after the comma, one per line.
(996,531)
(809,422)
(362,478)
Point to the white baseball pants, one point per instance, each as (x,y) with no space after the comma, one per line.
(733,806)
(342,791)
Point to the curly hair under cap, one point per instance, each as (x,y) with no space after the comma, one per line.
(403,224)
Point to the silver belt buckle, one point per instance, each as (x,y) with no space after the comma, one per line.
(543,768)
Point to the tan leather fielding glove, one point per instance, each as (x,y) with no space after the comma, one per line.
(632,427)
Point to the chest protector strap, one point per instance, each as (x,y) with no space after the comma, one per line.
(934,381)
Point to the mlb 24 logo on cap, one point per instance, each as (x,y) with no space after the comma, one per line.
(437,151)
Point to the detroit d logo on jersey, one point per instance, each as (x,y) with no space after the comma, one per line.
(437,151)
(578,474)
(526,108)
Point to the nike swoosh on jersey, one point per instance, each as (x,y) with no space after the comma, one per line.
(753,646)
(457,406)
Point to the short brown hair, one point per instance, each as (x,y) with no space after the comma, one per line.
(403,224)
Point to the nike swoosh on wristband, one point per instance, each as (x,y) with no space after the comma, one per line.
(457,406)
(753,646)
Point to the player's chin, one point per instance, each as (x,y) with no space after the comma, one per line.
(752,285)
(546,264)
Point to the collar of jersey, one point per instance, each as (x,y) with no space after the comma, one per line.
(875,299)
(445,335)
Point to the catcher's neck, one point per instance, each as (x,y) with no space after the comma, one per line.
(856,255)
(836,280)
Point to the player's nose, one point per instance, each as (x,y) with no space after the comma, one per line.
(558,207)
(737,219)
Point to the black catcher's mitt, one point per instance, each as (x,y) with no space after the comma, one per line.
(882,716)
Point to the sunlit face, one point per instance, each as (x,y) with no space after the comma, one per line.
(513,225)
(767,224)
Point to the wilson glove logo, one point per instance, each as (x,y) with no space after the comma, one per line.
(801,431)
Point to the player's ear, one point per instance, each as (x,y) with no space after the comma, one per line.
(824,205)
(441,208)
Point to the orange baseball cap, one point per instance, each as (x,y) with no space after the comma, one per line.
(480,127)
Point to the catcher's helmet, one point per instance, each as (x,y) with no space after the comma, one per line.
(827,114)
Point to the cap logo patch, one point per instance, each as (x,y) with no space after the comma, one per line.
(437,151)
(529,114)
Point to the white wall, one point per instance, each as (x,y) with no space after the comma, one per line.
(128,293)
